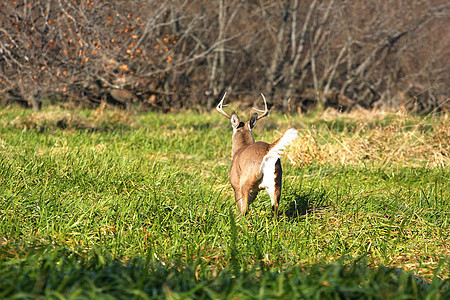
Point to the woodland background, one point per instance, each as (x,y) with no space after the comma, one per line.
(169,55)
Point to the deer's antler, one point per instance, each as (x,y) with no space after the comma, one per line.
(265,111)
(220,105)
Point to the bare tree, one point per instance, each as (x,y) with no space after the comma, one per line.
(171,54)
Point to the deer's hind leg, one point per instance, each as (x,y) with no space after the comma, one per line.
(248,193)
(242,197)
(244,201)
(241,203)
(273,188)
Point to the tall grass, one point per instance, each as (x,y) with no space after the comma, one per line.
(57,273)
(124,197)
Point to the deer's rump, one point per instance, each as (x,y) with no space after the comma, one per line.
(247,162)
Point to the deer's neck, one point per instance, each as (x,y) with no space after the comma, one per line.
(241,141)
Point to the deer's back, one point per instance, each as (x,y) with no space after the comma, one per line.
(247,161)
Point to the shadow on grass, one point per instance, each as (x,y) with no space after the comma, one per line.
(94,274)
(302,203)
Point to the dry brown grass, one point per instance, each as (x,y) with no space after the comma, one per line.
(357,138)
(374,138)
(56,117)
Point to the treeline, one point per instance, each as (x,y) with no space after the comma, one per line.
(175,54)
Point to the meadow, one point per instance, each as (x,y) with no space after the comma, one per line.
(110,204)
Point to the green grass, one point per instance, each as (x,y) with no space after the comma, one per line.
(57,273)
(113,204)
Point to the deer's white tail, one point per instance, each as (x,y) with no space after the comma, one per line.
(276,149)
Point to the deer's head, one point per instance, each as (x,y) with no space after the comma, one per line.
(242,132)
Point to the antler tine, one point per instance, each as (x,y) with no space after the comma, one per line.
(220,105)
(265,111)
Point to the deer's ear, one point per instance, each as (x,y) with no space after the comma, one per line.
(234,120)
(253,120)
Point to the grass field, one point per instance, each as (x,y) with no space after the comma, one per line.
(113,204)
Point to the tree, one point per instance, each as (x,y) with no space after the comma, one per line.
(178,53)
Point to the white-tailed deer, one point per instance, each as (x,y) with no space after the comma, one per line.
(255,166)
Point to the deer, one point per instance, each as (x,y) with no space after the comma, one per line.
(255,165)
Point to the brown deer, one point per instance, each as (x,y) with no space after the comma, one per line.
(255,166)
